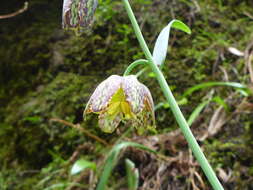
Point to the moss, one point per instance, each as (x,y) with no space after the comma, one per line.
(235,153)
(34,134)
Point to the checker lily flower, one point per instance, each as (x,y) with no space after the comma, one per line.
(78,13)
(123,99)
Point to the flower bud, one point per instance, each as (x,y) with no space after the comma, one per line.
(119,99)
(78,13)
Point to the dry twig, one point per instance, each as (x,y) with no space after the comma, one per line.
(78,127)
(248,56)
(15,13)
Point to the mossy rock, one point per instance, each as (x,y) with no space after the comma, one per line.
(27,131)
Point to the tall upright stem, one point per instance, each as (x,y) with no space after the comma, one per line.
(173,104)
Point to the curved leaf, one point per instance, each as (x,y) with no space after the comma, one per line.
(132,175)
(161,45)
(81,165)
(196,112)
(113,158)
(211,84)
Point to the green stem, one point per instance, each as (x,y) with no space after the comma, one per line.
(173,104)
(133,65)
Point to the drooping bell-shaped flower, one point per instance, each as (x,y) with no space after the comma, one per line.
(78,13)
(119,99)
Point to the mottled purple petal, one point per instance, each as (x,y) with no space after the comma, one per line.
(107,123)
(103,93)
(137,96)
(136,92)
(78,13)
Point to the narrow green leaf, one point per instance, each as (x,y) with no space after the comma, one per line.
(181,26)
(246,92)
(132,175)
(33,119)
(59,186)
(166,105)
(196,112)
(161,44)
(221,102)
(112,159)
(212,84)
(81,165)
